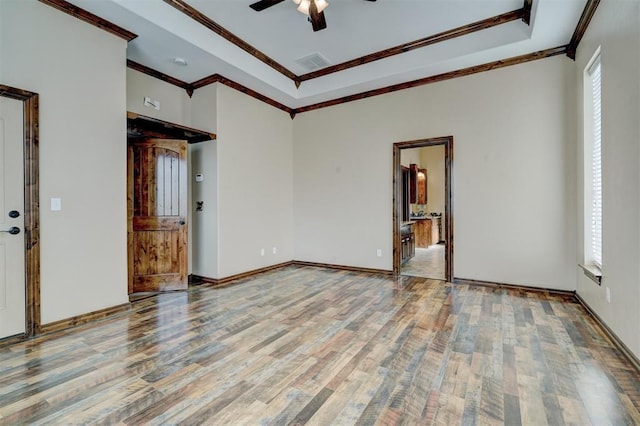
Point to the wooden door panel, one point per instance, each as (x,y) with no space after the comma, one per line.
(158,229)
(157,252)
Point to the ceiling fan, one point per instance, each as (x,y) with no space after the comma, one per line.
(313,8)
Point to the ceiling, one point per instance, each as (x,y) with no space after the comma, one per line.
(355,28)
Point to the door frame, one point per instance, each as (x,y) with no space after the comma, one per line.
(31,204)
(447,141)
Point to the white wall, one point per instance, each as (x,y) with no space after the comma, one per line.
(255,191)
(616,28)
(512,199)
(79,72)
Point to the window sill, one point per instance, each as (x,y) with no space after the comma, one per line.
(593,272)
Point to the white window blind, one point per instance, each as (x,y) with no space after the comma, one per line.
(596,163)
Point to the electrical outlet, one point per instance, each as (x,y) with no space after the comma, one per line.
(274,250)
(261,252)
(608,295)
(379,252)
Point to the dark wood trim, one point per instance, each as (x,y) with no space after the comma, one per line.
(526,11)
(418,44)
(201,280)
(86,16)
(561,50)
(32,211)
(479,283)
(343,267)
(447,141)
(139,125)
(217,78)
(210,79)
(581,28)
(85,318)
(8,341)
(626,352)
(209,23)
(31,156)
(157,74)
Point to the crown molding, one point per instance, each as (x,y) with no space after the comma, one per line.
(581,28)
(217,78)
(83,15)
(418,44)
(209,23)
(157,74)
(440,77)
(181,5)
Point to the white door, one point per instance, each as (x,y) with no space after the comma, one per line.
(12,269)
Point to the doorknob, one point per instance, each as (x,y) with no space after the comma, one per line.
(14,214)
(14,230)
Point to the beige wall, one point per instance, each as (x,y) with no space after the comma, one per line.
(175,104)
(255,190)
(432,159)
(410,156)
(79,73)
(203,241)
(509,175)
(616,28)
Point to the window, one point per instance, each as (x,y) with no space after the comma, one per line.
(593,165)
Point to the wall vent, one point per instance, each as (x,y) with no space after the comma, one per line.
(313,62)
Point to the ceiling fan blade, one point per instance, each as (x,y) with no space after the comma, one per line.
(317,18)
(263,4)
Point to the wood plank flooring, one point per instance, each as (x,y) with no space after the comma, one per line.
(304,345)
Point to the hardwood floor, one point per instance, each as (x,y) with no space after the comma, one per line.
(304,345)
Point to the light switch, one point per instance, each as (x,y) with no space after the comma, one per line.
(56,204)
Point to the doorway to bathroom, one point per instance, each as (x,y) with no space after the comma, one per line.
(422,219)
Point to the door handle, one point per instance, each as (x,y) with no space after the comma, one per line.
(14,230)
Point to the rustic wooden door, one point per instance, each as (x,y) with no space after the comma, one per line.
(12,247)
(157,232)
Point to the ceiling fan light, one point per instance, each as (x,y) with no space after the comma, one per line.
(321,5)
(304,7)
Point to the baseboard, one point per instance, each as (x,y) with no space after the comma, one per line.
(633,359)
(492,284)
(84,318)
(7,341)
(343,267)
(216,282)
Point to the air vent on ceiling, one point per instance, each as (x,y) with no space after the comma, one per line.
(313,62)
